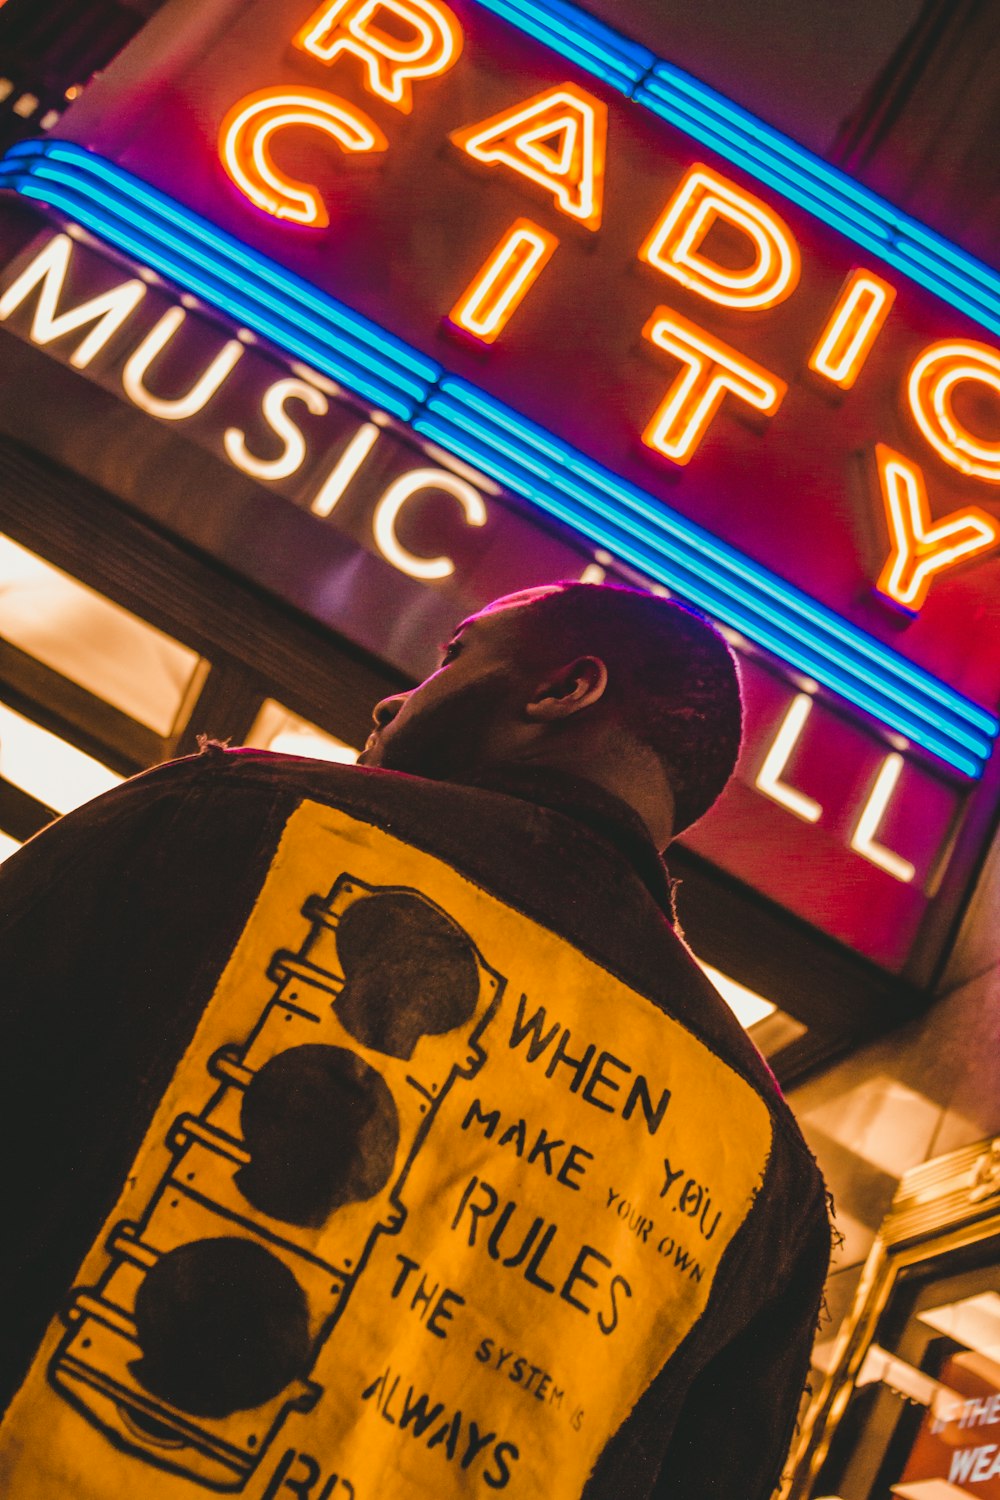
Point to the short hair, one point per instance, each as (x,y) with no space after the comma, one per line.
(671,677)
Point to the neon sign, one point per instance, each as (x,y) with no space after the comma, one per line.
(289,160)
(416,512)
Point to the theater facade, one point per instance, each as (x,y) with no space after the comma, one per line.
(322,326)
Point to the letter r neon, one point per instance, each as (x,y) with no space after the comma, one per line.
(430,45)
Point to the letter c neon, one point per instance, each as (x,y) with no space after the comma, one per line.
(245,147)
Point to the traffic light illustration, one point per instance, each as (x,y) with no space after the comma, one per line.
(291,1159)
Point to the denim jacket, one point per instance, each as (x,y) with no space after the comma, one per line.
(380,1137)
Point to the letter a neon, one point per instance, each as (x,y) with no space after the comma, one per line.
(557,140)
(921,549)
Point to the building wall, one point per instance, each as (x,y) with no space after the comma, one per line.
(928,1088)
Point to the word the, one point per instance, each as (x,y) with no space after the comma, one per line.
(428,1302)
(971,1413)
(456,1436)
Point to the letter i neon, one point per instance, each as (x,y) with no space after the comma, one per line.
(502,284)
(854,325)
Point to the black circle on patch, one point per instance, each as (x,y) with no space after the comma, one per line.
(409,971)
(321,1128)
(223,1326)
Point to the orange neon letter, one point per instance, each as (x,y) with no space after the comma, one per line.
(502,284)
(557,140)
(919,548)
(854,325)
(424,41)
(245,147)
(711,369)
(703,199)
(931,386)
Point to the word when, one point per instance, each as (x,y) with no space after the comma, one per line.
(584,1079)
(542,1148)
(430,1303)
(532,1379)
(534,1250)
(692,1198)
(643,1228)
(554,144)
(455,1436)
(303,1482)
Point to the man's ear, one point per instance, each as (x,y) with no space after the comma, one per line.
(578,685)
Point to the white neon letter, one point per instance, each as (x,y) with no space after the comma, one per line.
(431,47)
(388,509)
(863,837)
(931,386)
(245,147)
(711,370)
(674,243)
(156,340)
(769,777)
(852,329)
(108,311)
(273,408)
(920,548)
(344,469)
(556,140)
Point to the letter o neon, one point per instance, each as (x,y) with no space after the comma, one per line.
(931,385)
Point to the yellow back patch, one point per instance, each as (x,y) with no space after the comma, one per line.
(430,1201)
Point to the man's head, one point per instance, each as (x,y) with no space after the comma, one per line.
(628,689)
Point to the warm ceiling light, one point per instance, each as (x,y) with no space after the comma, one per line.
(747,1006)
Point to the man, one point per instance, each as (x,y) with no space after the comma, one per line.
(375,1134)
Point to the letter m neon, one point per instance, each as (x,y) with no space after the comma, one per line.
(48,270)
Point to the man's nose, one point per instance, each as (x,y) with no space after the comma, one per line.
(384,712)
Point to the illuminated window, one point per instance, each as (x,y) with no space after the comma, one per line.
(46,767)
(854,325)
(277,728)
(704,200)
(556,140)
(746,1005)
(8,846)
(68,627)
